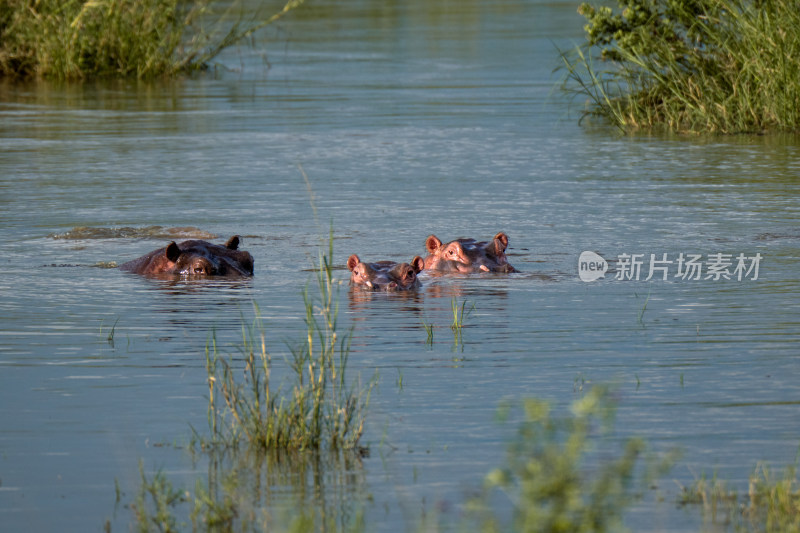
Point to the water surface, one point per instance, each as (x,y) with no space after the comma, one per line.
(409,119)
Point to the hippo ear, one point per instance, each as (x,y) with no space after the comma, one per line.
(353,261)
(418,264)
(233,243)
(432,244)
(503,238)
(172,252)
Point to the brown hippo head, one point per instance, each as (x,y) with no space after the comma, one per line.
(466,256)
(385,275)
(194,258)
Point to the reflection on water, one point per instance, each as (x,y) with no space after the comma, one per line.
(302,491)
(325,491)
(410,119)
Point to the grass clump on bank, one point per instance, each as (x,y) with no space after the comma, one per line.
(321,410)
(721,66)
(79,39)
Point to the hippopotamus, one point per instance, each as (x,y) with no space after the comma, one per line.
(194,258)
(467,256)
(385,275)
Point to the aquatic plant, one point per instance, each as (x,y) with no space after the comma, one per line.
(644,308)
(320,410)
(771,505)
(155,502)
(565,473)
(723,66)
(459,314)
(79,39)
(429,332)
(110,336)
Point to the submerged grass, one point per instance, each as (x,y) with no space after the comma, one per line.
(721,66)
(79,39)
(319,410)
(155,503)
(564,473)
(771,505)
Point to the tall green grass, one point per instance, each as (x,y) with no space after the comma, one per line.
(721,66)
(79,39)
(319,410)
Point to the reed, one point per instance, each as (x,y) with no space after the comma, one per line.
(460,313)
(80,39)
(320,410)
(720,66)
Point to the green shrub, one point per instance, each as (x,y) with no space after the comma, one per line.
(77,39)
(563,474)
(724,66)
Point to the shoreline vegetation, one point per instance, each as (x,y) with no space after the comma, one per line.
(144,39)
(564,471)
(705,66)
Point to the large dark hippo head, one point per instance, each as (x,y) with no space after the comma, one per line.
(385,275)
(466,256)
(194,258)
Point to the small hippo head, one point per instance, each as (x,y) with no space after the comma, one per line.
(194,258)
(385,275)
(468,255)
